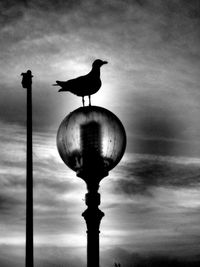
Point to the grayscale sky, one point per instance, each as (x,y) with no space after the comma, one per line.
(151,82)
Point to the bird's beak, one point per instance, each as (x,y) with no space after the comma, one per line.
(105,62)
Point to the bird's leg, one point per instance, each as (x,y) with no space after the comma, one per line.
(83,101)
(89,100)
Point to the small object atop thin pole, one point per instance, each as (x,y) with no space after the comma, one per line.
(27,83)
(26,79)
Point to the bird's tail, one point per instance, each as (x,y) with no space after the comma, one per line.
(58,83)
(62,85)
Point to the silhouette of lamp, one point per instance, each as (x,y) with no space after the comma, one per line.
(91,141)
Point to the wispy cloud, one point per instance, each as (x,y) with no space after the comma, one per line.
(156,203)
(140,176)
(52,184)
(149,199)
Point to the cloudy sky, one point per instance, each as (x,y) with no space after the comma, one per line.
(152,198)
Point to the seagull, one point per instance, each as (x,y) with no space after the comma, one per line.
(86,85)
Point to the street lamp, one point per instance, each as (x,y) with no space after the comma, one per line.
(91,141)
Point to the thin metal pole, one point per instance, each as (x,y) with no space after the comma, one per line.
(29,183)
(93,216)
(27,83)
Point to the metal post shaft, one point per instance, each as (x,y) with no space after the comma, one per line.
(93,216)
(29,184)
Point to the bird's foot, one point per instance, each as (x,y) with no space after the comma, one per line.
(83,101)
(89,100)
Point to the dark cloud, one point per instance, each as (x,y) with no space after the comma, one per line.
(43,256)
(144,175)
(55,257)
(96,14)
(156,128)
(13,107)
(51,202)
(127,258)
(10,11)
(9,203)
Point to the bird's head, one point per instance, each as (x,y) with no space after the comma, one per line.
(98,63)
(27,74)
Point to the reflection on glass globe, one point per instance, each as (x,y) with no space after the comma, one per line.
(91,140)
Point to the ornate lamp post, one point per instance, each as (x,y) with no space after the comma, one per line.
(91,141)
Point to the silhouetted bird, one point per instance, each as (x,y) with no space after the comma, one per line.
(26,79)
(84,85)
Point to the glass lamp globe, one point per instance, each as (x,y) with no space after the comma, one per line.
(91,141)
